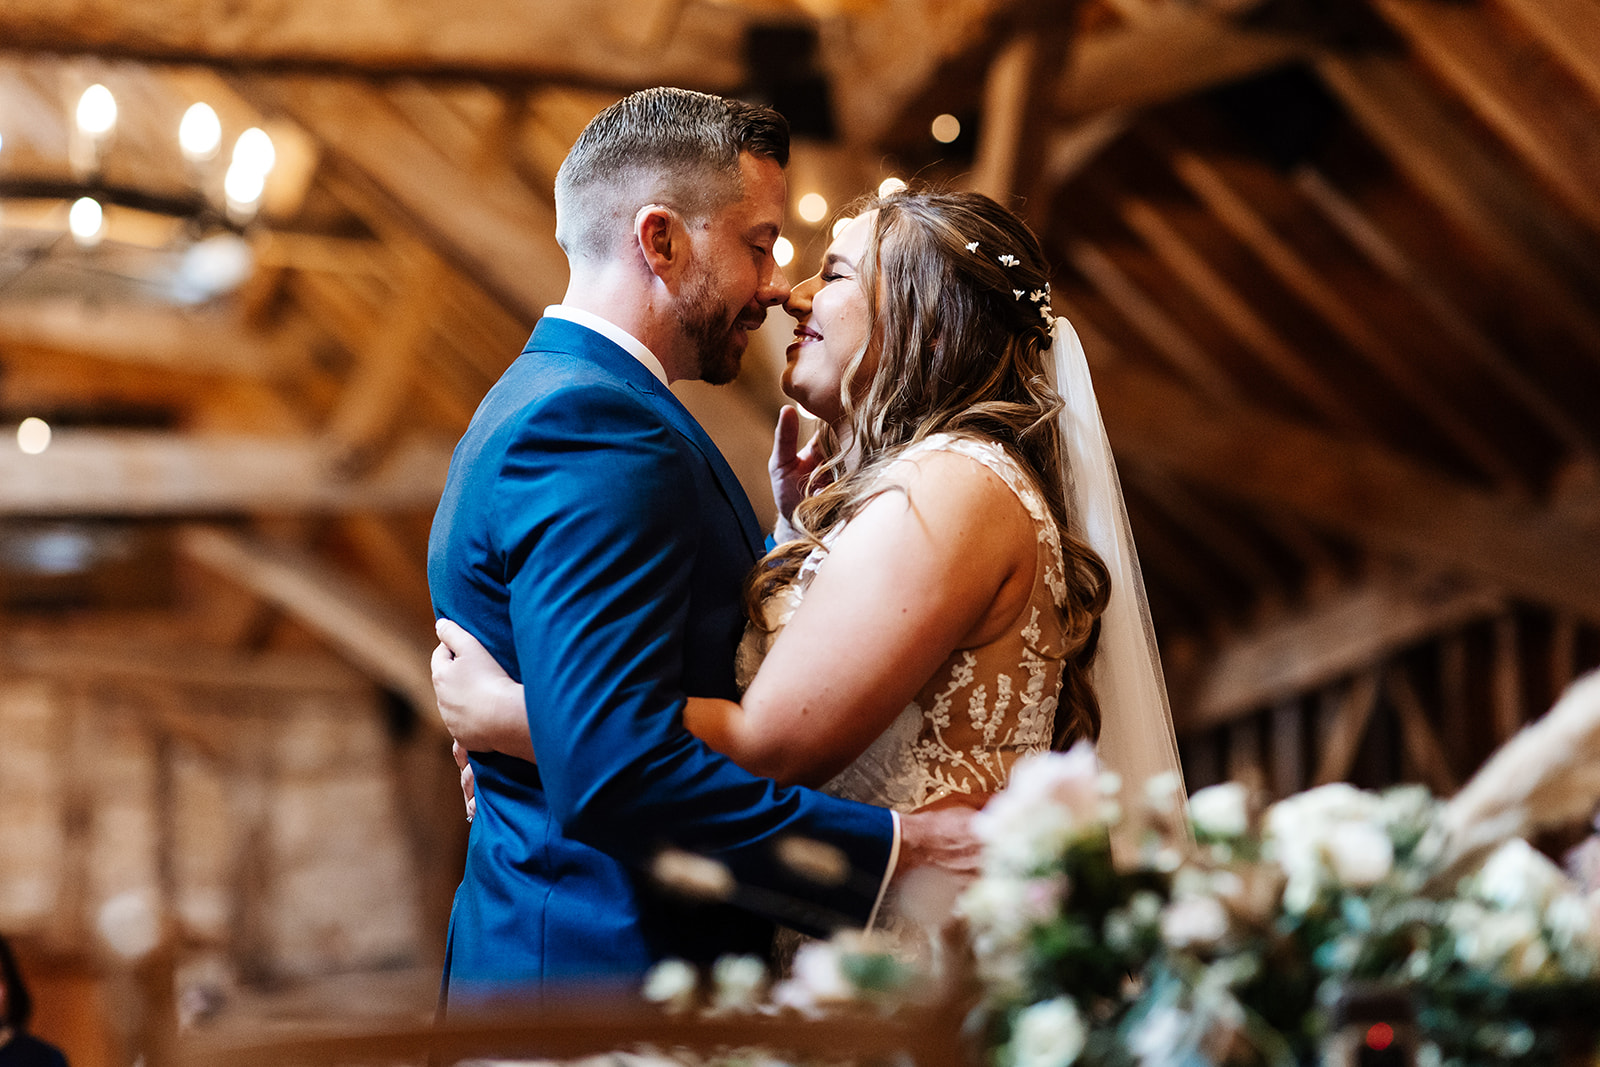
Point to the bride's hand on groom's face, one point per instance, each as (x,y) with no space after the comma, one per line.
(791,465)
(481,706)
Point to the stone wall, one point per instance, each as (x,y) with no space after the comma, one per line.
(259,830)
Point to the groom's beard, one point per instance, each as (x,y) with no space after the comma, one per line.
(712,327)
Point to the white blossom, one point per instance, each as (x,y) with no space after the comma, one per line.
(1220,810)
(1053,798)
(1194,922)
(738,983)
(1517,875)
(671,983)
(1360,853)
(1048,1034)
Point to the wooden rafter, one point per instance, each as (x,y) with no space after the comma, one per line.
(352,618)
(89,472)
(1461,44)
(1334,637)
(501,233)
(1412,127)
(1360,489)
(160,338)
(1144,315)
(578,43)
(1247,225)
(1382,251)
(1235,311)
(1569,29)
(1172,51)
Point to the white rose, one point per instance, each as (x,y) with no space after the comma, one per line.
(816,979)
(996,905)
(1360,854)
(1048,1034)
(738,983)
(1052,798)
(1518,875)
(1199,921)
(1220,810)
(671,983)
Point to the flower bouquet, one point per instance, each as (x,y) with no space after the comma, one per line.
(1115,931)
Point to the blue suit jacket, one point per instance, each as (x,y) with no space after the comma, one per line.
(595,540)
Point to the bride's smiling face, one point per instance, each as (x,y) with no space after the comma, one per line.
(833,325)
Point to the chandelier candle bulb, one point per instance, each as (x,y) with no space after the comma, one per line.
(97,111)
(254,151)
(200,133)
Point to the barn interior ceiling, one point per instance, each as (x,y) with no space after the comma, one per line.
(1337,268)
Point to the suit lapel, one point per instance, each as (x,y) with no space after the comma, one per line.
(570,337)
(732,491)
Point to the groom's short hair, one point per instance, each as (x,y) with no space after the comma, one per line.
(674,147)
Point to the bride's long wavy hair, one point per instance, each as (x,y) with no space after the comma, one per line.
(954,285)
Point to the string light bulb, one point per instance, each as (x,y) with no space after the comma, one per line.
(946,128)
(200,133)
(890,186)
(33,436)
(86,220)
(97,111)
(783,251)
(813,207)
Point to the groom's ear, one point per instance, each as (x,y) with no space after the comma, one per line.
(659,232)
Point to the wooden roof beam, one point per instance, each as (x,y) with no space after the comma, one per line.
(583,42)
(134,473)
(489,225)
(350,617)
(1355,628)
(1173,51)
(1301,278)
(1409,125)
(1143,313)
(1236,313)
(1460,43)
(1569,30)
(1387,256)
(165,338)
(1384,501)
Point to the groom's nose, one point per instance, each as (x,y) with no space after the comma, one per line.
(776,290)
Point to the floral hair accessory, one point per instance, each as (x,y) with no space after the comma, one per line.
(972,246)
(1009,261)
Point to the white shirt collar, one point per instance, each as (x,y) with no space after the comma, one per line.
(612,332)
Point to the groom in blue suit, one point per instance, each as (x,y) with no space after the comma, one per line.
(595,540)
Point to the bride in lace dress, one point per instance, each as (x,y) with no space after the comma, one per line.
(933,611)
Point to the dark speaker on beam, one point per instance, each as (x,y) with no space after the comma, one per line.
(781,71)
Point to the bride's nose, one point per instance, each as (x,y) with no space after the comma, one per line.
(799,302)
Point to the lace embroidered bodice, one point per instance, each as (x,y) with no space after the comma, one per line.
(984,707)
